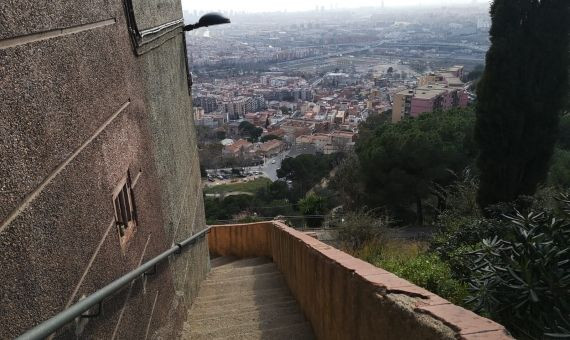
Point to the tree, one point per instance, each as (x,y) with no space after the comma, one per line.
(564,132)
(305,171)
(250,130)
(313,207)
(476,73)
(245,126)
(559,175)
(211,155)
(255,134)
(520,97)
(220,134)
(402,162)
(346,182)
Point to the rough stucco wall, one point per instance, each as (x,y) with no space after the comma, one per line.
(19,18)
(346,298)
(177,163)
(152,13)
(57,91)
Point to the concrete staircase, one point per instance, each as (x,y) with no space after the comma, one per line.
(245,299)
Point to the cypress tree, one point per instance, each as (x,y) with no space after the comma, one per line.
(520,97)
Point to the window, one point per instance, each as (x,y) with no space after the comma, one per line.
(125,209)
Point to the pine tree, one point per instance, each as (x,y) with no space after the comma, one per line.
(520,96)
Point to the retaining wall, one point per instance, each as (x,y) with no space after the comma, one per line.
(346,298)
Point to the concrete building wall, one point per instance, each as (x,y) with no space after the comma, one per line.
(80,109)
(401,107)
(421,105)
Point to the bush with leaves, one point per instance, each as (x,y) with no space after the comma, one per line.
(359,227)
(523,279)
(430,272)
(313,207)
(460,226)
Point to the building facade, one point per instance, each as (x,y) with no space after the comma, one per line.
(99,168)
(440,90)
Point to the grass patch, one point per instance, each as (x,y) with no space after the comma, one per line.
(410,260)
(252,186)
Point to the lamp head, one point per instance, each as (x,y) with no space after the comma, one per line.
(209,19)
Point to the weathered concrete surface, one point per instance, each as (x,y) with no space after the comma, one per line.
(18,18)
(246,299)
(346,298)
(246,240)
(152,13)
(77,111)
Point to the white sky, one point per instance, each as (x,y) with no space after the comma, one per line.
(303,5)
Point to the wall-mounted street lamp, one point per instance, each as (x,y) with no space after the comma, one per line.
(209,19)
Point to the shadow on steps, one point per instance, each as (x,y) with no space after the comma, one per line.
(245,299)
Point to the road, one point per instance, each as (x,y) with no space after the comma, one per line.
(269,169)
(441,45)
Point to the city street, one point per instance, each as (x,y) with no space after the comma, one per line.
(269,169)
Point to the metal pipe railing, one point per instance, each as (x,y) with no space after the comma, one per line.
(49,326)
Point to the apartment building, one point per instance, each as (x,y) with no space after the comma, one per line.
(441,90)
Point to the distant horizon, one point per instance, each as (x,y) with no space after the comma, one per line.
(257,6)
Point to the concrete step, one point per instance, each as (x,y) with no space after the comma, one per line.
(250,262)
(259,297)
(208,312)
(237,317)
(300,331)
(244,304)
(240,286)
(243,271)
(222,260)
(230,280)
(245,299)
(226,329)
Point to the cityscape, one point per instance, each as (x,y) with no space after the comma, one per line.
(308,79)
(304,169)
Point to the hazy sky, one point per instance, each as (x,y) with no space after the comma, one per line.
(303,5)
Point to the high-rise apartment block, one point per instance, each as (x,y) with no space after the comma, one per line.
(441,90)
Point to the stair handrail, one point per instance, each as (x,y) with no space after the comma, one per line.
(56,322)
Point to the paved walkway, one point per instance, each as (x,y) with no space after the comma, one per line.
(246,299)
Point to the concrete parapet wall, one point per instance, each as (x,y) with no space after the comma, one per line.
(346,298)
(245,240)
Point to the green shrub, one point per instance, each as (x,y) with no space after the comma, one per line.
(313,207)
(358,228)
(453,245)
(429,272)
(523,279)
